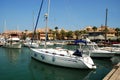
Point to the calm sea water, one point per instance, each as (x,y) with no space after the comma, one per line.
(17,64)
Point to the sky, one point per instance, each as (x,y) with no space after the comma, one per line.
(66,14)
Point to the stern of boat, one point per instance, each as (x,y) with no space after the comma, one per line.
(89,62)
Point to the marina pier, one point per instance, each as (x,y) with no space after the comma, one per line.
(114,74)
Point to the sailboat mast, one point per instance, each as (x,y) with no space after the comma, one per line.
(106,17)
(106,25)
(37,20)
(46,19)
(33,20)
(48,7)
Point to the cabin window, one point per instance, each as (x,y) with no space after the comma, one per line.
(91,47)
(95,46)
(46,52)
(61,54)
(54,53)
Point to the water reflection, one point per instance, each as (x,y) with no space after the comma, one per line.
(115,60)
(12,54)
(17,63)
(103,63)
(42,71)
(98,74)
(103,68)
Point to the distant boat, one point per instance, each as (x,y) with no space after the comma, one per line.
(60,42)
(47,43)
(28,43)
(116,45)
(94,50)
(2,41)
(112,49)
(12,43)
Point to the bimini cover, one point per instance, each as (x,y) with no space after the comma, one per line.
(80,41)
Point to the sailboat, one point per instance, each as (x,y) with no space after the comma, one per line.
(28,43)
(61,57)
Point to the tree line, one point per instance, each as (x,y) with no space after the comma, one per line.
(77,34)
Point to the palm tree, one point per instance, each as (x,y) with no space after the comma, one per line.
(77,34)
(88,29)
(94,29)
(54,34)
(26,34)
(50,30)
(117,32)
(69,34)
(26,31)
(23,36)
(106,31)
(56,30)
(63,34)
(82,32)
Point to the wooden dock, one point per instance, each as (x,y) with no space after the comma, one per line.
(114,74)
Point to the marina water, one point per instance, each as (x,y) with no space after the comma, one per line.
(17,64)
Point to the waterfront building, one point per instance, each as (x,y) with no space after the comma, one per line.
(99,33)
(12,33)
(62,34)
(42,33)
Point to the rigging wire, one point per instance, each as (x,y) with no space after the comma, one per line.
(46,18)
(37,20)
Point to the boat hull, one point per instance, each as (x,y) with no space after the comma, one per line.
(14,45)
(101,54)
(32,45)
(61,60)
(13,42)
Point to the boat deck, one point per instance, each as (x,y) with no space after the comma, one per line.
(114,74)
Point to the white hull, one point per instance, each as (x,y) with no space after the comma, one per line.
(113,49)
(43,55)
(101,54)
(13,45)
(116,45)
(47,43)
(29,44)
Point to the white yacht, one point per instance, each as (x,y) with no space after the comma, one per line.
(94,50)
(13,42)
